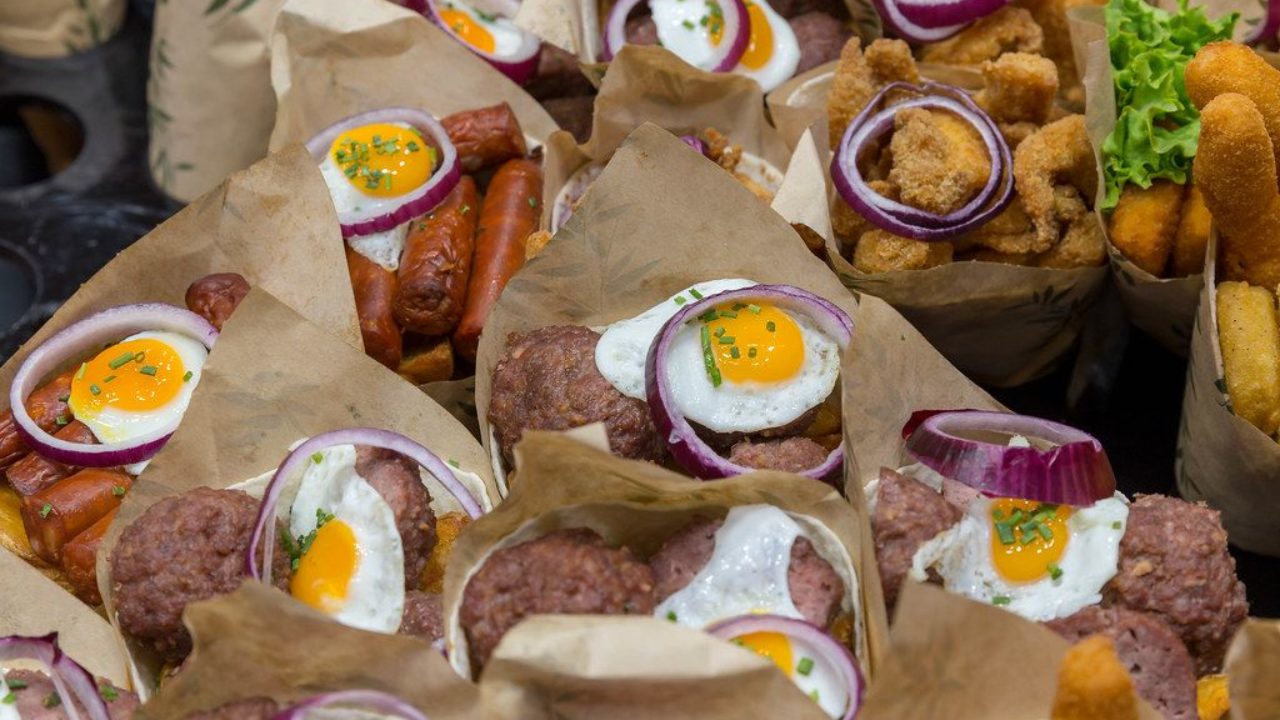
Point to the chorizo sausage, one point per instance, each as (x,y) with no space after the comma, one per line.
(509,214)
(375,290)
(34,472)
(486,137)
(80,560)
(61,511)
(46,405)
(214,297)
(436,264)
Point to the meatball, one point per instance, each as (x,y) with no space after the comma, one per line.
(793,8)
(423,616)
(559,75)
(35,698)
(183,549)
(572,114)
(641,31)
(907,514)
(816,588)
(1150,650)
(548,380)
(567,571)
(397,480)
(258,708)
(793,454)
(820,36)
(1174,563)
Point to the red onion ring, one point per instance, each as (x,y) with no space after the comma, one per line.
(384,703)
(68,677)
(412,204)
(737,29)
(933,14)
(298,458)
(695,142)
(1267,28)
(520,66)
(89,334)
(826,647)
(893,19)
(1075,472)
(898,218)
(693,454)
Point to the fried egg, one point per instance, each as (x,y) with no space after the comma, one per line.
(486,32)
(1039,560)
(693,30)
(350,560)
(814,676)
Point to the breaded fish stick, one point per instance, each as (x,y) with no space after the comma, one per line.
(1145,222)
(1250,338)
(1236,173)
(1193,235)
(1229,67)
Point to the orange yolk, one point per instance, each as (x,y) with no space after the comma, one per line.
(326,569)
(384,160)
(755,343)
(1039,536)
(468,29)
(760,42)
(137,375)
(774,646)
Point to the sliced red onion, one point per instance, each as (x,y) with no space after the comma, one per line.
(521,65)
(696,143)
(90,334)
(68,677)
(383,703)
(693,454)
(827,648)
(894,20)
(1074,472)
(418,201)
(875,121)
(733,40)
(933,14)
(1268,26)
(263,529)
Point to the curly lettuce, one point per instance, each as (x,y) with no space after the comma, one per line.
(1156,125)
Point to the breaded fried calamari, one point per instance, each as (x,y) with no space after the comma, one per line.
(1144,223)
(1051,16)
(1008,29)
(1093,684)
(878,251)
(858,77)
(1019,87)
(1229,67)
(1083,245)
(939,160)
(1059,153)
(1249,335)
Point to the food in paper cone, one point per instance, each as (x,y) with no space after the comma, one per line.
(61,688)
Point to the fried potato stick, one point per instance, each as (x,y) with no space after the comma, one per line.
(1145,222)
(1193,235)
(1093,684)
(1229,67)
(1250,338)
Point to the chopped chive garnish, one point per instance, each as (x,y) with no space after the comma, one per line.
(52,700)
(9,699)
(997,515)
(533,202)
(753,309)
(16,684)
(694,292)
(733,351)
(708,316)
(813,695)
(720,331)
(317,457)
(738,306)
(44,511)
(680,300)
(60,421)
(1116,525)
(118,491)
(465,209)
(709,358)
(728,314)
(120,361)
(108,379)
(63,398)
(1055,572)
(454,463)
(671,615)
(1045,532)
(770,326)
(1001,600)
(95,389)
(688,24)
(751,352)
(1006,534)
(80,372)
(805,666)
(727,339)
(186,377)
(108,693)
(148,370)
(139,356)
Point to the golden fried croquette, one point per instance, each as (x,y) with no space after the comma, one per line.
(1144,224)
(1192,238)
(1249,335)
(1051,16)
(1229,67)
(1093,684)
(1019,87)
(1059,153)
(533,245)
(1083,245)
(448,526)
(939,161)
(859,76)
(1235,171)
(1212,699)
(878,251)
(1008,29)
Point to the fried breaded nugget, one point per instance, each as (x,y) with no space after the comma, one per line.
(1212,699)
(939,160)
(1015,133)
(1235,171)
(1093,684)
(1192,238)
(1229,67)
(1144,223)
(859,76)
(891,61)
(1083,245)
(1019,87)
(1008,29)
(1250,338)
(1010,232)
(847,223)
(1058,153)
(879,251)
(1051,16)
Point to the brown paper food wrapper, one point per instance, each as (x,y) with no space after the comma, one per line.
(1222,459)
(295,652)
(1253,664)
(573,669)
(273,379)
(209,101)
(331,59)
(56,28)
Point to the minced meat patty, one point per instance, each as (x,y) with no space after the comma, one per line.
(820,37)
(565,572)
(259,708)
(397,480)
(35,698)
(183,549)
(816,588)
(907,514)
(793,454)
(1174,563)
(423,616)
(548,380)
(1151,651)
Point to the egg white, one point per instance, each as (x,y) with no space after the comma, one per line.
(681,30)
(823,682)
(384,247)
(784,59)
(507,37)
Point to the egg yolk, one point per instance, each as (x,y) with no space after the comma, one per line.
(136,376)
(384,160)
(1028,538)
(774,646)
(467,29)
(760,43)
(326,568)
(753,343)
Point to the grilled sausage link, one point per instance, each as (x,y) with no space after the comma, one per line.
(436,264)
(375,290)
(62,511)
(34,472)
(486,137)
(45,406)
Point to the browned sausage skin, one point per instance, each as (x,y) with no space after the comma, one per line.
(46,406)
(61,511)
(80,560)
(34,472)
(375,291)
(214,297)
(436,264)
(486,137)
(509,214)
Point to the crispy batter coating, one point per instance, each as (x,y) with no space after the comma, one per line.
(879,251)
(1192,238)
(1228,67)
(537,240)
(1145,222)
(859,76)
(1083,245)
(1212,699)
(847,223)
(890,61)
(1235,171)
(1010,232)
(939,160)
(1019,88)
(1250,338)
(1093,684)
(1015,133)
(1008,29)
(1051,16)
(1059,153)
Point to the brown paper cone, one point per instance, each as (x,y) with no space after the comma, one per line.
(56,28)
(273,379)
(1253,664)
